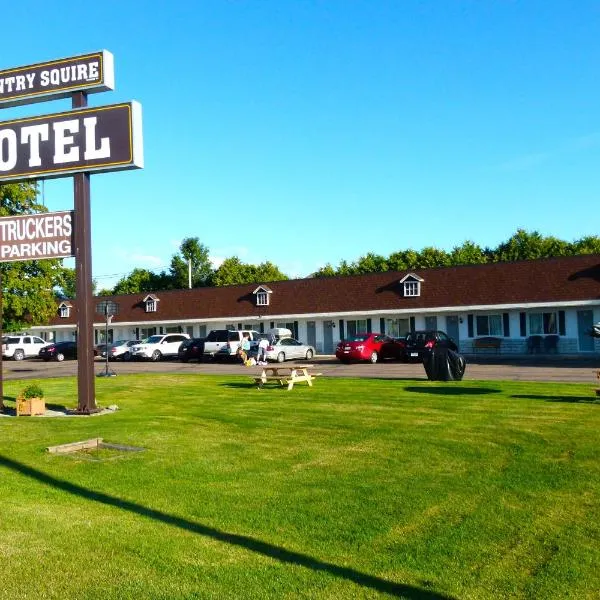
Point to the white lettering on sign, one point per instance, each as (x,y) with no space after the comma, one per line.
(33,250)
(82,72)
(32,135)
(8,149)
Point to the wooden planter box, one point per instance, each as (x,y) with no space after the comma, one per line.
(30,406)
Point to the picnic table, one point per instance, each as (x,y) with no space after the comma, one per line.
(285,375)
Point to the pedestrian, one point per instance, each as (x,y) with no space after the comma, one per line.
(262,351)
(244,348)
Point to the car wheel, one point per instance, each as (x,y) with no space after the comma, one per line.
(309,354)
(19,355)
(156,356)
(280,357)
(373,358)
(127,356)
(60,357)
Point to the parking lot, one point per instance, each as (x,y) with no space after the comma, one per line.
(516,369)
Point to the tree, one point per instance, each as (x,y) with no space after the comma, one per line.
(587,245)
(520,246)
(27,286)
(371,263)
(67,287)
(468,253)
(142,280)
(325,271)
(191,250)
(233,271)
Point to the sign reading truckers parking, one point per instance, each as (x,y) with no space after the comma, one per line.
(92,72)
(33,237)
(108,138)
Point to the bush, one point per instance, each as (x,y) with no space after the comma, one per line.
(32,391)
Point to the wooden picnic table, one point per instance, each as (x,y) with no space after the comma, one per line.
(285,375)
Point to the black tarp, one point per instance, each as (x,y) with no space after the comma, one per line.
(442,364)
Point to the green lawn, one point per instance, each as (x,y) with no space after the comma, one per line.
(352,489)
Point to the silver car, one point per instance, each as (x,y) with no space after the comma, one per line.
(288,348)
(120,349)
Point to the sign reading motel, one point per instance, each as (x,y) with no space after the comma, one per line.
(107,138)
(92,72)
(33,237)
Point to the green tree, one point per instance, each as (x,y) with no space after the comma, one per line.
(142,280)
(325,271)
(371,263)
(27,286)
(403,260)
(520,246)
(191,250)
(587,245)
(233,271)
(468,253)
(67,287)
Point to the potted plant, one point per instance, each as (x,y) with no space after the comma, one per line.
(31,401)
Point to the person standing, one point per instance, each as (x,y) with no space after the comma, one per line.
(262,351)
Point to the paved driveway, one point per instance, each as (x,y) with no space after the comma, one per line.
(520,369)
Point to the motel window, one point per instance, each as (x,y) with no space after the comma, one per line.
(262,299)
(150,305)
(354,327)
(64,311)
(397,327)
(489,325)
(543,323)
(412,288)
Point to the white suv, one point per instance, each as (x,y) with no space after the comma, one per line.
(19,347)
(157,346)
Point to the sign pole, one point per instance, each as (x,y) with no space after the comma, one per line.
(83,263)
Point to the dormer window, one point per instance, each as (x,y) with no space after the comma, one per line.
(412,285)
(262,293)
(151,303)
(64,310)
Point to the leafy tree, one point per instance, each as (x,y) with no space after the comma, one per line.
(27,286)
(587,245)
(371,263)
(325,271)
(141,280)
(67,287)
(520,246)
(468,253)
(233,271)
(430,257)
(403,260)
(191,250)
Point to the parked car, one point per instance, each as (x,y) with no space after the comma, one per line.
(417,343)
(191,350)
(224,343)
(19,347)
(121,349)
(159,346)
(368,346)
(288,348)
(59,351)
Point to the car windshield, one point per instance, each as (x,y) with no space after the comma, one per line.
(358,338)
(119,343)
(153,339)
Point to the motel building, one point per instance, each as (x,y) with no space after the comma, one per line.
(542,306)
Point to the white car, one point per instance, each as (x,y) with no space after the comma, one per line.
(19,347)
(158,346)
(288,348)
(119,349)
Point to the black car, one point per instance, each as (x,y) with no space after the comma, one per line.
(418,343)
(59,351)
(191,350)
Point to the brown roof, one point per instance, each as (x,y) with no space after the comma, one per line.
(554,280)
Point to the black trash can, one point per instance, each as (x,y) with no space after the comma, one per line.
(442,364)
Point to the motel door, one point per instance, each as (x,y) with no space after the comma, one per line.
(327,337)
(585,320)
(452,328)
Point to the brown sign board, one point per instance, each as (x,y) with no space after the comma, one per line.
(38,236)
(106,138)
(59,78)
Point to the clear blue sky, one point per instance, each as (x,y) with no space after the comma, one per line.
(309,132)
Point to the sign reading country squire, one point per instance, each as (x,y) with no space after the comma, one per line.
(33,237)
(59,78)
(106,138)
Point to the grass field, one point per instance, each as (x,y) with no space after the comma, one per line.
(355,488)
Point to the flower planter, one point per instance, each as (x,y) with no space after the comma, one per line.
(30,406)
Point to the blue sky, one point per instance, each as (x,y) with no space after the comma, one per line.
(309,132)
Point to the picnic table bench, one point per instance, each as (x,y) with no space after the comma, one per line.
(285,375)
(491,343)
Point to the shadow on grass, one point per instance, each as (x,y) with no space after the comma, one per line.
(591,399)
(242,541)
(448,390)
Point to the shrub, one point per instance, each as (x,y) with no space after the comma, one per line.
(32,391)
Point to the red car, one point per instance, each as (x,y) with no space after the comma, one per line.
(368,346)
